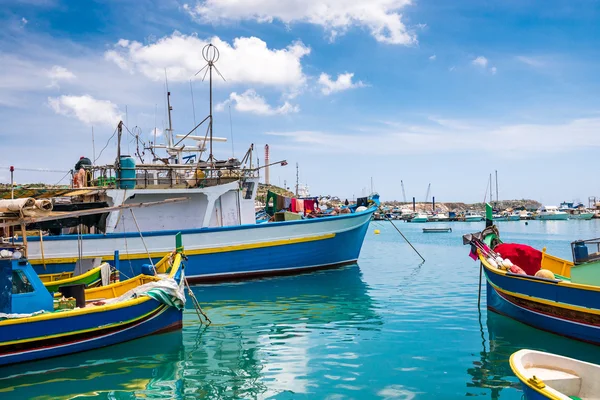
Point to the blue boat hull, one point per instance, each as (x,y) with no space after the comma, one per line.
(46,338)
(555,319)
(531,394)
(324,250)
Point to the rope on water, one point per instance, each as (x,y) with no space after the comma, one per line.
(197,306)
(401,234)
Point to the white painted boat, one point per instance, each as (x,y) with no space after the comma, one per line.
(473,216)
(420,217)
(550,376)
(551,213)
(514,216)
(441,217)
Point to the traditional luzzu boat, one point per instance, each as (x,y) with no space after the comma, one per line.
(94,277)
(223,239)
(539,289)
(34,325)
(550,376)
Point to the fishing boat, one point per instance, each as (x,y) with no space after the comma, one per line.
(539,289)
(223,239)
(581,214)
(420,217)
(550,376)
(437,230)
(473,216)
(34,325)
(98,276)
(514,216)
(500,217)
(440,217)
(551,213)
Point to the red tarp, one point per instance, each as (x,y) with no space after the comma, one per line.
(526,257)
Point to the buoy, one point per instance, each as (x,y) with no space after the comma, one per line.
(377,231)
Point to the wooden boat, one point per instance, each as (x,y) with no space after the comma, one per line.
(436,230)
(91,278)
(550,376)
(30,328)
(567,302)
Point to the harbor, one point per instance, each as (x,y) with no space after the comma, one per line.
(214,199)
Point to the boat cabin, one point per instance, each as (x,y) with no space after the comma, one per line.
(21,290)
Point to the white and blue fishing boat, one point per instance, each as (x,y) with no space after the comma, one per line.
(223,239)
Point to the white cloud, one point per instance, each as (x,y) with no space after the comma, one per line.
(433,57)
(58,73)
(381,17)
(252,102)
(480,61)
(343,82)
(247,60)
(535,62)
(451,136)
(24,21)
(155,131)
(86,109)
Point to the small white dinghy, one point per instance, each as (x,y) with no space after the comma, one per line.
(549,376)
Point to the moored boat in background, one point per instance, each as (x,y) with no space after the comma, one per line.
(551,213)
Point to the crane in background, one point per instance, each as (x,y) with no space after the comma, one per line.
(403,192)
(427,194)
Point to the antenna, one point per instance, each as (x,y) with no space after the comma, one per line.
(267,180)
(231,128)
(193,106)
(93,148)
(211,55)
(297,177)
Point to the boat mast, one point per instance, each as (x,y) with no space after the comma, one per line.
(211,55)
(497,200)
(297,182)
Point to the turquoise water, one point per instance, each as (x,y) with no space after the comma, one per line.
(388,328)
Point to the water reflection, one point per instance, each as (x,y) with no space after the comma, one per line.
(148,367)
(281,336)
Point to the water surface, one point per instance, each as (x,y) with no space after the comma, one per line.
(388,328)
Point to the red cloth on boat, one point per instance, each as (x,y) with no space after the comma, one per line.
(309,206)
(294,209)
(526,257)
(517,270)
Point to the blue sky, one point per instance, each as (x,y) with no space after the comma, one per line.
(420,91)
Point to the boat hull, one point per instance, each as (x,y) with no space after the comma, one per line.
(584,216)
(553,217)
(546,305)
(228,253)
(473,219)
(41,338)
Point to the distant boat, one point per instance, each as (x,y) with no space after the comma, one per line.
(440,217)
(551,213)
(473,216)
(581,214)
(500,217)
(550,376)
(514,216)
(420,217)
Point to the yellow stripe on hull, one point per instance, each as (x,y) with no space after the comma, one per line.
(211,250)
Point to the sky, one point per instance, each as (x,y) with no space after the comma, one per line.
(382,91)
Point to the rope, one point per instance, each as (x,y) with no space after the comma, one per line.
(197,307)
(126,248)
(143,241)
(107,143)
(401,234)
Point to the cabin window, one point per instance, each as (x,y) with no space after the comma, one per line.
(20,283)
(248,188)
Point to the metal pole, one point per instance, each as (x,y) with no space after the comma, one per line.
(12,183)
(211,116)
(497,188)
(414,205)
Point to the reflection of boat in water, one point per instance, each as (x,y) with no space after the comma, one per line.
(123,368)
(270,332)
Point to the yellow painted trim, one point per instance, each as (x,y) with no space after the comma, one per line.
(525,381)
(211,250)
(70,333)
(500,271)
(548,302)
